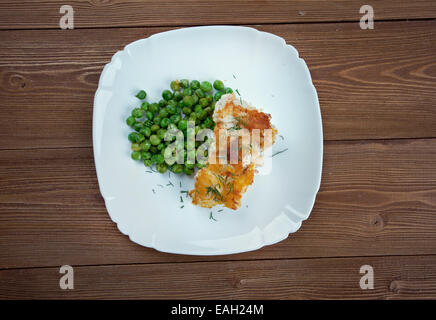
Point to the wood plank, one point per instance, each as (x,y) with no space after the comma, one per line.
(408,277)
(376,198)
(370,84)
(91,14)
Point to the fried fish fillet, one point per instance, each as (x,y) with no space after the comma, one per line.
(229,173)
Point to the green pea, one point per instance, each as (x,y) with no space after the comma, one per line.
(139,137)
(163,113)
(146,155)
(188,171)
(130,121)
(206,86)
(148,123)
(145,105)
(200,165)
(195,84)
(156,120)
(149,115)
(132,136)
(175,85)
(184,83)
(154,139)
(172,102)
(167,95)
(189,165)
(138,126)
(136,155)
(186,110)
(199,93)
(218,85)
(138,113)
(161,167)
(176,168)
(154,128)
(162,103)
(146,131)
(154,107)
(141,95)
(178,96)
(153,150)
(228,90)
(194,99)
(203,102)
(187,92)
(161,133)
(145,146)
(157,158)
(147,163)
(135,147)
(208,110)
(198,108)
(171,109)
(201,115)
(164,122)
(193,116)
(160,146)
(209,98)
(217,95)
(175,118)
(183,124)
(187,101)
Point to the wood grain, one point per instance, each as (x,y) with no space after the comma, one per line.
(408,277)
(376,198)
(371,84)
(116,13)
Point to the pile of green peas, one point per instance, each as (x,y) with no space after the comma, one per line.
(185,100)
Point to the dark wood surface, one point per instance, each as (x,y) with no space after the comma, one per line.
(376,205)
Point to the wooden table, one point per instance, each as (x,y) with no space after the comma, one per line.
(376,206)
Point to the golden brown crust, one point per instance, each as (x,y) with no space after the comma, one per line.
(226,183)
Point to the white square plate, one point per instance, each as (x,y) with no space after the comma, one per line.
(268,73)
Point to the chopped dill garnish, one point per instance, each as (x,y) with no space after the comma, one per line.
(281,137)
(153,190)
(234,76)
(181,207)
(215,192)
(170,184)
(237,91)
(220,210)
(148,171)
(159,185)
(180,182)
(278,152)
(183,191)
(181,199)
(211,217)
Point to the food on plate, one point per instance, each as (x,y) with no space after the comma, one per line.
(239,133)
(184,101)
(248,131)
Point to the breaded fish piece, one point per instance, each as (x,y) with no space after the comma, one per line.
(224,183)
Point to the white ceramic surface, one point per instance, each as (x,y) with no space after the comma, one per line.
(269,74)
